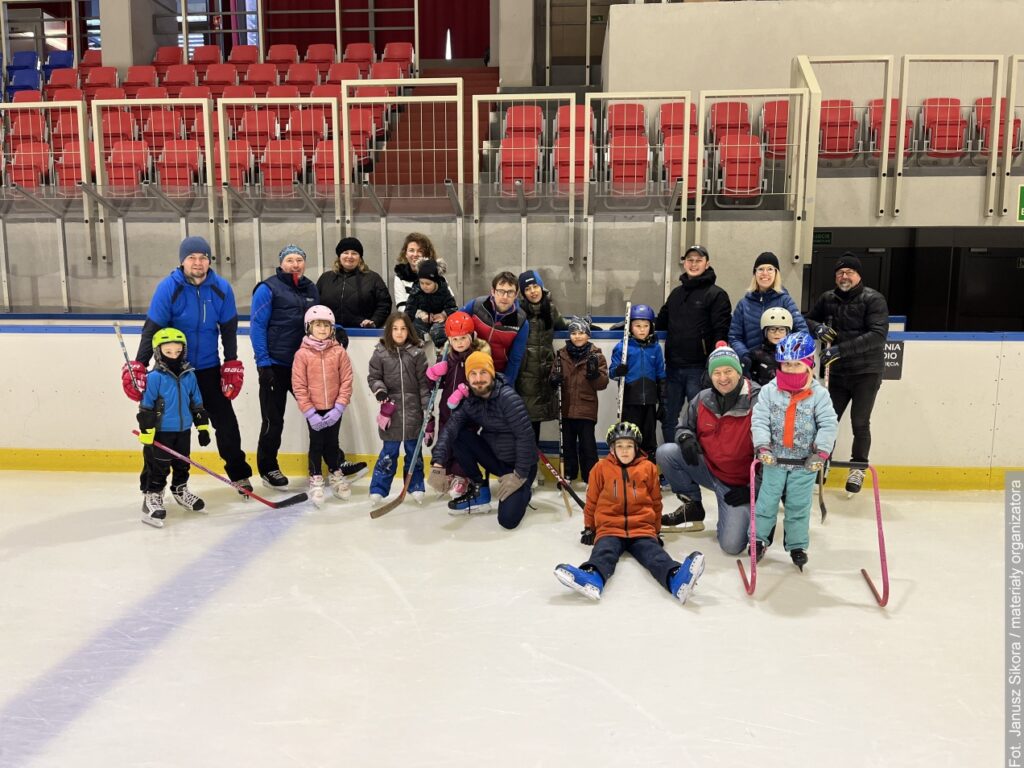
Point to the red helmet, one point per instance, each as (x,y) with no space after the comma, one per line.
(458,324)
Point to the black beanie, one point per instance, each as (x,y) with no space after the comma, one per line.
(848,261)
(768,258)
(427,270)
(348,244)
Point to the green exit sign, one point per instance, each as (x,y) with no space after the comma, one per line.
(825,237)
(1020,203)
(596,18)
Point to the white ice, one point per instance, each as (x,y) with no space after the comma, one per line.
(303,637)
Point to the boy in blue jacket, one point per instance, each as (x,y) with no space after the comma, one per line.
(643,376)
(170,404)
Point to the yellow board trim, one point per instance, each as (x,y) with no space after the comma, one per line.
(79,460)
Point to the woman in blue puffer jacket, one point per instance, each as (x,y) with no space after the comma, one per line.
(766,291)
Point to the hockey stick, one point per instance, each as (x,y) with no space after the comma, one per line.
(561,452)
(410,466)
(290,501)
(625,357)
(128,362)
(562,482)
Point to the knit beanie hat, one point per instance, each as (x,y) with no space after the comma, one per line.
(427,270)
(479,360)
(848,261)
(193,244)
(579,325)
(766,258)
(723,354)
(348,244)
(528,278)
(289,250)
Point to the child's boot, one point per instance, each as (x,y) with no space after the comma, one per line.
(799,558)
(340,485)
(585,581)
(187,499)
(684,580)
(316,490)
(153,512)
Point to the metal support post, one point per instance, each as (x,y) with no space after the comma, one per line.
(182,216)
(460,228)
(382,216)
(62,248)
(4,285)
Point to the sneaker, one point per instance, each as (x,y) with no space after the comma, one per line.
(376,499)
(586,582)
(689,516)
(418,496)
(761,547)
(340,486)
(316,490)
(854,480)
(274,479)
(457,486)
(243,485)
(153,512)
(799,558)
(187,499)
(353,470)
(684,580)
(475,500)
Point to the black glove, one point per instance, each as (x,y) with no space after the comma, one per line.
(830,355)
(381,395)
(593,367)
(266,374)
(691,450)
(620,370)
(738,496)
(204,436)
(659,414)
(555,380)
(587,536)
(825,334)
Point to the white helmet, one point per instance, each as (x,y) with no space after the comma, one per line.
(776,317)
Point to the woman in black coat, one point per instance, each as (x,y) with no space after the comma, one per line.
(357,296)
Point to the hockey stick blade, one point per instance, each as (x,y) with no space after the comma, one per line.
(385,508)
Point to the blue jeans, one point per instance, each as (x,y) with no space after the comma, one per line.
(798,486)
(733,522)
(683,385)
(387,463)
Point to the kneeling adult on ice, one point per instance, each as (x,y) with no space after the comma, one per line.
(492,429)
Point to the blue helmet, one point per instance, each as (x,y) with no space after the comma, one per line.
(641,312)
(796,346)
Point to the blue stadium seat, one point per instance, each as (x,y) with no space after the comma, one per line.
(58,60)
(23,60)
(23,80)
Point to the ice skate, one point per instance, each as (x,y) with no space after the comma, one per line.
(353,470)
(340,485)
(689,516)
(376,499)
(799,558)
(418,497)
(854,481)
(588,583)
(274,479)
(153,512)
(761,549)
(187,499)
(316,490)
(476,500)
(243,485)
(684,580)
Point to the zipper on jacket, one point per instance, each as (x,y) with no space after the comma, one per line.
(625,502)
(323,374)
(401,382)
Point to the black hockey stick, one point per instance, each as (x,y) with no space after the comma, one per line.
(290,501)
(561,450)
(410,466)
(562,482)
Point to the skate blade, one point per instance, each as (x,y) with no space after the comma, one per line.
(481,509)
(696,571)
(587,590)
(694,527)
(156,522)
(356,475)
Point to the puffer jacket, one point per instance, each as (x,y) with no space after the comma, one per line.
(355,296)
(405,281)
(402,374)
(579,394)
(277,324)
(745,329)
(505,332)
(794,423)
(623,501)
(860,318)
(645,371)
(724,437)
(456,375)
(321,375)
(697,316)
(171,398)
(504,424)
(532,382)
(434,303)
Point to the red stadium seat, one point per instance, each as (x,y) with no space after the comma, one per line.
(945,131)
(303,76)
(241,57)
(233,114)
(260,77)
(361,129)
(361,54)
(99,77)
(526,121)
(30,166)
(672,162)
(560,159)
(138,77)
(190,114)
(68,164)
(322,55)
(117,126)
(60,79)
(584,120)
(257,129)
(91,58)
(239,162)
(218,77)
(629,159)
(167,56)
(162,126)
(838,130)
(26,127)
(127,164)
(308,126)
(327,90)
(204,57)
(983,127)
(343,70)
(386,70)
(775,129)
(671,119)
(22,97)
(281,111)
(727,117)
(626,119)
(876,115)
(110,94)
(144,111)
(179,76)
(68,94)
(323,165)
(64,128)
(519,160)
(378,110)
(179,163)
(282,165)
(740,164)
(282,56)
(402,54)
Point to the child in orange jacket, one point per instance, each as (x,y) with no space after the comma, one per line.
(623,514)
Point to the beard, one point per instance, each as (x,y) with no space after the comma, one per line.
(483,390)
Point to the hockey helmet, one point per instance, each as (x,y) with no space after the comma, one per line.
(167,335)
(641,312)
(624,430)
(777,317)
(458,324)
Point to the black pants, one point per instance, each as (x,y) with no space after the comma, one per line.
(323,447)
(580,447)
(225,425)
(471,450)
(644,417)
(536,431)
(273,401)
(861,390)
(156,464)
(645,550)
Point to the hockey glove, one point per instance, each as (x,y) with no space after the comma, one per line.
(138,370)
(825,334)
(815,462)
(587,536)
(146,436)
(593,367)
(830,355)
(737,497)
(690,449)
(764,455)
(437,370)
(620,370)
(509,484)
(438,479)
(232,374)
(457,396)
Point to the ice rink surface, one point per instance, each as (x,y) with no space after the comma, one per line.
(298,637)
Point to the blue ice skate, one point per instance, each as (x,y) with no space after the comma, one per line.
(684,580)
(476,500)
(587,583)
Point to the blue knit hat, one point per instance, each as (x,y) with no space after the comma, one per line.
(193,244)
(579,325)
(288,250)
(528,278)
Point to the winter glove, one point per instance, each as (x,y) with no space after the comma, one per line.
(587,536)
(690,449)
(509,484)
(659,412)
(815,462)
(333,416)
(764,455)
(266,377)
(593,367)
(422,316)
(231,376)
(428,433)
(381,396)
(437,370)
(555,379)
(737,497)
(316,421)
(204,434)
(387,410)
(457,396)
(138,370)
(148,420)
(830,355)
(825,334)
(620,370)
(438,478)
(146,436)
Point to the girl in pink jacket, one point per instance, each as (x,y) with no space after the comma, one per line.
(322,383)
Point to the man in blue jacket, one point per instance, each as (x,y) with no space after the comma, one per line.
(200,303)
(491,428)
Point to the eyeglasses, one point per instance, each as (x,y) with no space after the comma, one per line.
(508,293)
(776,329)
(846,273)
(765,270)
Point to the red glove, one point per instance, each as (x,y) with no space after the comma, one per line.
(231,376)
(138,370)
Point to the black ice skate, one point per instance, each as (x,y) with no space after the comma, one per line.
(187,499)
(153,512)
(689,516)
(799,558)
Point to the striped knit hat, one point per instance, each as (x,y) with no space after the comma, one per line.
(723,354)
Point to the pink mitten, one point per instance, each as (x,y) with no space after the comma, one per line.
(387,410)
(456,397)
(437,370)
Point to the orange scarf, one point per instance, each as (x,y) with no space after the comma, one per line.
(790,426)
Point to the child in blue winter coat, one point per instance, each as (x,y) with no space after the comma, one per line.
(170,405)
(792,419)
(642,375)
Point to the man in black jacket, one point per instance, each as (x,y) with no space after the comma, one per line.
(852,320)
(696,316)
(490,428)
